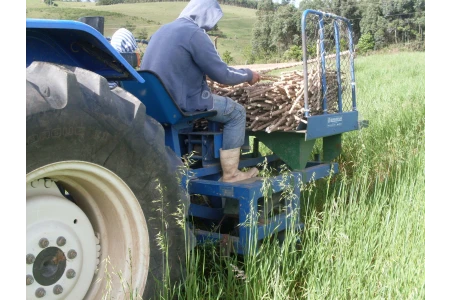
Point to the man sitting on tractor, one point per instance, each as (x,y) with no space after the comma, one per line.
(182,55)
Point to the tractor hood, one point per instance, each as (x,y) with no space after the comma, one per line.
(204,13)
(76,44)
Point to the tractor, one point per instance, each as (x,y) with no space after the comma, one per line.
(107,184)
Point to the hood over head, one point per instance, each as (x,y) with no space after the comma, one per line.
(204,13)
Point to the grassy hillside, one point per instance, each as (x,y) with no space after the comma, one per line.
(236,24)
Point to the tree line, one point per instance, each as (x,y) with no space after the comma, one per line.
(376,24)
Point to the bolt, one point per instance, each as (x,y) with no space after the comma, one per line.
(43,243)
(46,91)
(30,279)
(40,292)
(70,273)
(30,259)
(72,254)
(61,241)
(57,289)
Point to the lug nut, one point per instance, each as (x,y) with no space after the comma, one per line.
(40,292)
(43,243)
(30,279)
(61,241)
(70,273)
(57,289)
(30,259)
(72,254)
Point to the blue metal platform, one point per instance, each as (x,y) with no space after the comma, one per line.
(247,193)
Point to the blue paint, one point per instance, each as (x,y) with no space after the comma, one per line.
(206,212)
(159,103)
(331,124)
(248,192)
(338,63)
(75,44)
(324,67)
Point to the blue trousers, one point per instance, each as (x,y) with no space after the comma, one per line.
(232,115)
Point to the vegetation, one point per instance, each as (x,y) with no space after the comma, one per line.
(364,234)
(267,34)
(379,24)
(227,58)
(364,228)
(234,32)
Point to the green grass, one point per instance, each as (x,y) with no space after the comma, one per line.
(236,24)
(365,228)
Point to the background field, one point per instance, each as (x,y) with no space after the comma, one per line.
(236,24)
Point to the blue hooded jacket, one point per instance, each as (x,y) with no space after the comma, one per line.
(182,54)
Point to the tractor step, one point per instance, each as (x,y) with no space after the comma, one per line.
(249,193)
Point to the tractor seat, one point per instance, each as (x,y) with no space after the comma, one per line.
(159,103)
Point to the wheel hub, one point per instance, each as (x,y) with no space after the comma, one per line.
(102,199)
(49,266)
(61,244)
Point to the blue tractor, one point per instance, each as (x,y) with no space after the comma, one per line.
(108,191)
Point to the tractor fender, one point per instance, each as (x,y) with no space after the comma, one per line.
(76,44)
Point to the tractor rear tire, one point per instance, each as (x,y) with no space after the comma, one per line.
(115,227)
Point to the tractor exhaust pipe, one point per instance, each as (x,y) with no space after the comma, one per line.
(97,22)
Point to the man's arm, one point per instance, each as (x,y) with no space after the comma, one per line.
(206,57)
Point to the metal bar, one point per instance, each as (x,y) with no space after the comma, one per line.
(245,163)
(255,152)
(319,171)
(247,221)
(322,59)
(205,212)
(191,141)
(213,126)
(338,63)
(352,63)
(304,46)
(305,62)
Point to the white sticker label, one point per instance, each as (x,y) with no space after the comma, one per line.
(334,121)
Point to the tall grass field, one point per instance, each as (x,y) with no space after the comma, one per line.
(364,235)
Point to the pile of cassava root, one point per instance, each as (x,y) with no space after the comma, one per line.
(277,103)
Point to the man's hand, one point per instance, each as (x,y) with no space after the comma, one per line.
(255,79)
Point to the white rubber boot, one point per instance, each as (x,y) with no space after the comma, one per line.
(229,160)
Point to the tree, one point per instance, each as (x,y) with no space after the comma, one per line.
(227,58)
(142,34)
(130,26)
(293,53)
(284,27)
(261,36)
(366,43)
